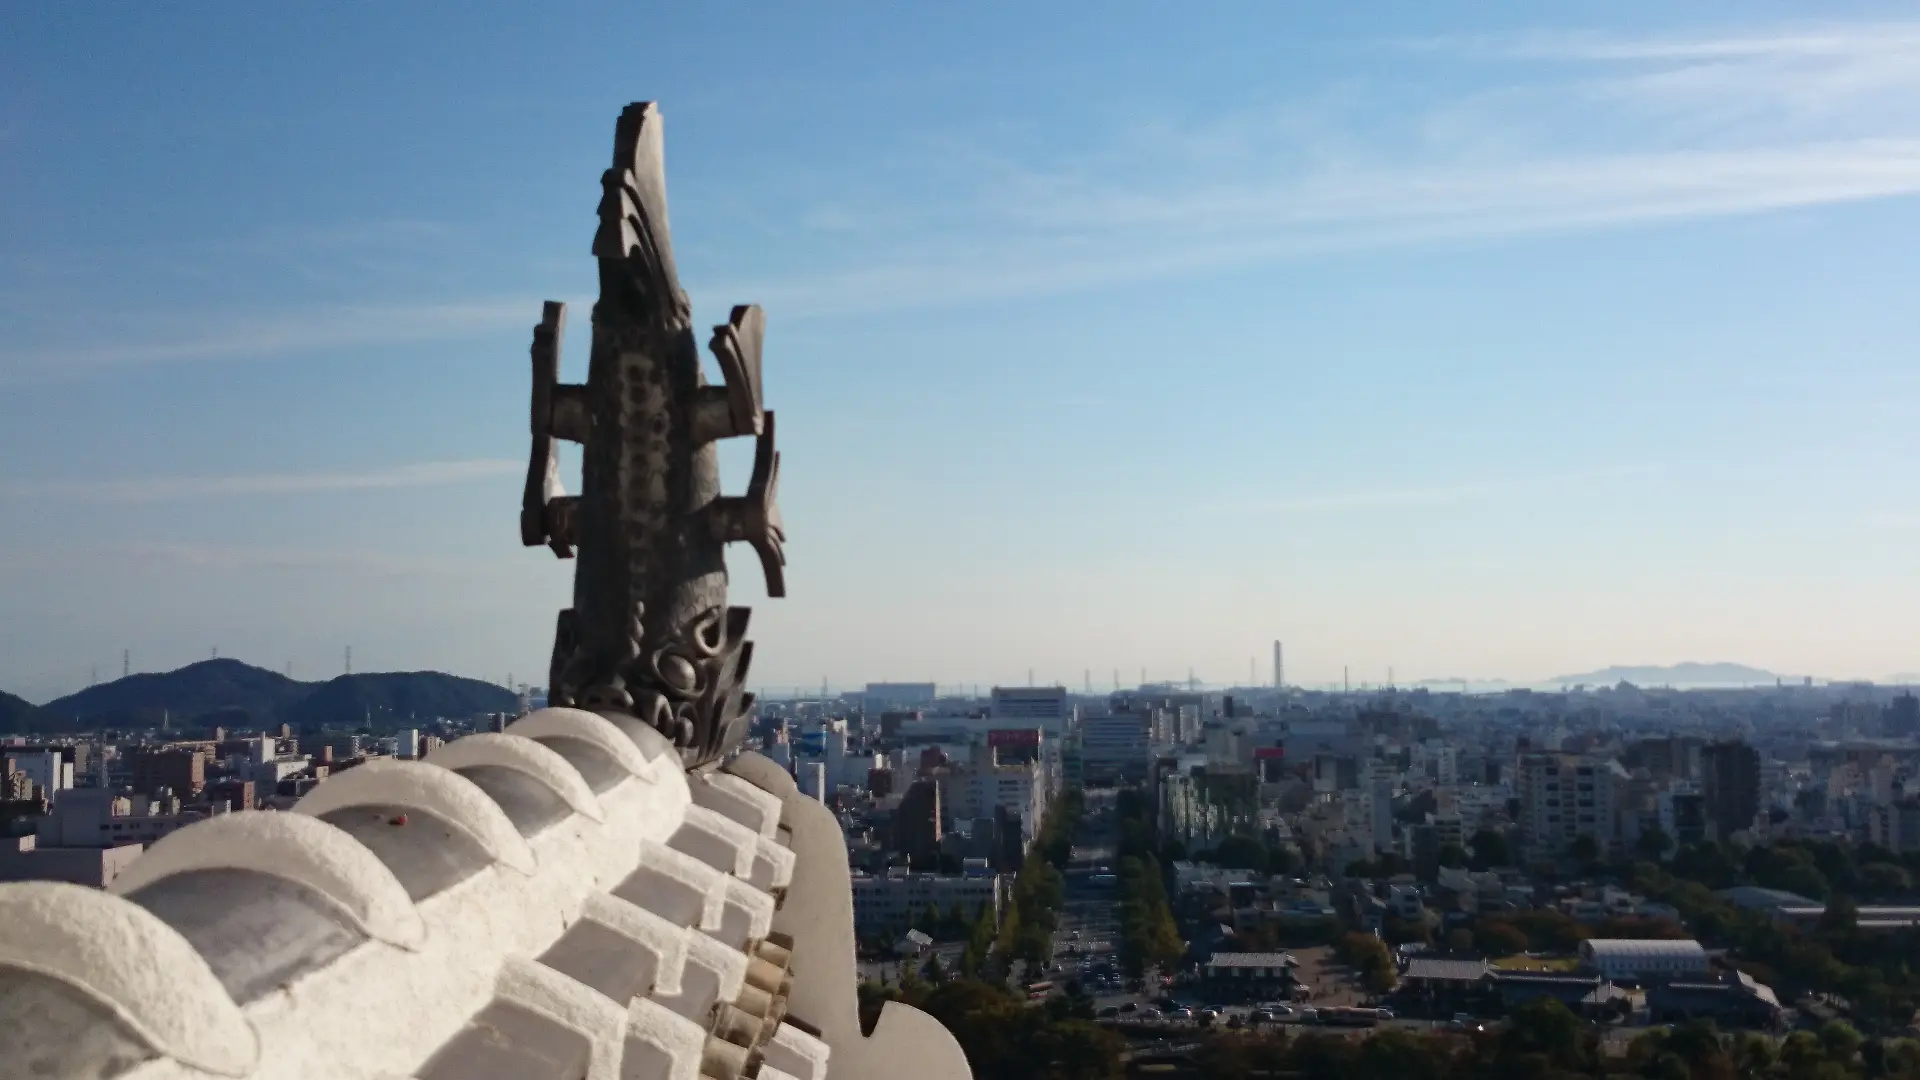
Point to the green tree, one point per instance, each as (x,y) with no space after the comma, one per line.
(1240,853)
(1496,937)
(1884,879)
(1584,849)
(1452,856)
(1652,844)
(1839,1042)
(1547,1028)
(1842,915)
(1490,849)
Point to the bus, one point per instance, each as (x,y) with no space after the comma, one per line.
(1038,991)
(1104,881)
(1341,1016)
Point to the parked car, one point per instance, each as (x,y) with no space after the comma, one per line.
(1282,1012)
(1309,1015)
(1110,1011)
(1261,1016)
(1383,1013)
(1182,1013)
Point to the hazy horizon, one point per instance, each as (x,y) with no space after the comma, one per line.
(1503,343)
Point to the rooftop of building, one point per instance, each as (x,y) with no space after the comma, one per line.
(1638,949)
(1252,960)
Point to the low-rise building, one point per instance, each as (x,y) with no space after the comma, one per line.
(1622,958)
(1733,998)
(893,901)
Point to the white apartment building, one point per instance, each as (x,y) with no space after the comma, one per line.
(48,770)
(973,791)
(1564,796)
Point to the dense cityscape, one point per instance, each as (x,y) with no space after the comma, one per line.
(1542,374)
(1170,878)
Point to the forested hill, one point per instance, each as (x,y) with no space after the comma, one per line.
(234,694)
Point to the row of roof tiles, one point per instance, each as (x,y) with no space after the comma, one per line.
(558,900)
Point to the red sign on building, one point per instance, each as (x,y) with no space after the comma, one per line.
(1013,737)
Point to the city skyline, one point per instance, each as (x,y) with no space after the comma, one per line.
(1509,345)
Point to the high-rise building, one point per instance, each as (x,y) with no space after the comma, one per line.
(1380,792)
(1730,775)
(916,824)
(1564,796)
(1116,747)
(1046,707)
(1903,716)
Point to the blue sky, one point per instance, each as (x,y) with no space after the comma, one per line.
(1470,341)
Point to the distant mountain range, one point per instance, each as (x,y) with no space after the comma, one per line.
(229,693)
(1688,674)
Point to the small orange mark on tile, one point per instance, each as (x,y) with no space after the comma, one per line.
(397,819)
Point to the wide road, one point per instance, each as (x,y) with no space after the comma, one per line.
(1086,943)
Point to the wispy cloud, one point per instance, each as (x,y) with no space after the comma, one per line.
(170,488)
(221,558)
(1594,133)
(269,334)
(1425,495)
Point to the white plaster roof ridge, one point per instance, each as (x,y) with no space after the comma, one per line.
(772,865)
(588,727)
(296,848)
(630,920)
(442,793)
(756,915)
(797,1054)
(717,840)
(673,1036)
(573,1004)
(522,755)
(655,747)
(136,966)
(669,882)
(715,974)
(728,794)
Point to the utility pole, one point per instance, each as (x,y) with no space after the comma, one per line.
(1346,680)
(349,659)
(126,662)
(93,675)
